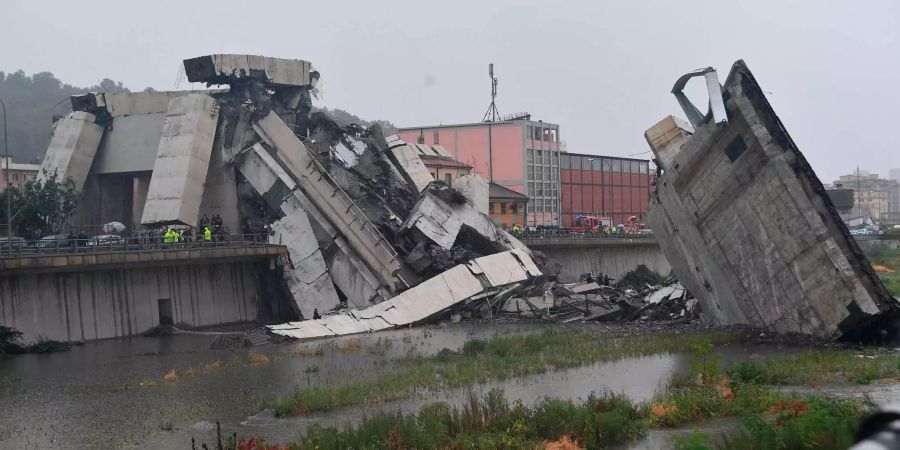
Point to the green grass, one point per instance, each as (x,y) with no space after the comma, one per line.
(889,258)
(490,422)
(829,365)
(769,418)
(489,360)
(807,423)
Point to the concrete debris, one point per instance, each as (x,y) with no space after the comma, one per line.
(430,298)
(224,69)
(362,218)
(407,160)
(748,227)
(476,190)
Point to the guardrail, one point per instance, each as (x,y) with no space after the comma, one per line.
(575,235)
(115,244)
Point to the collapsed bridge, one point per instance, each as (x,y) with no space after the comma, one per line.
(359,213)
(747,226)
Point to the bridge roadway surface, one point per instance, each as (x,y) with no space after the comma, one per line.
(56,256)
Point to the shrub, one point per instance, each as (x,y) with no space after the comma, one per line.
(639,278)
(812,422)
(10,341)
(746,372)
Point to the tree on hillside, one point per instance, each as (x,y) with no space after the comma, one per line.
(31,102)
(40,208)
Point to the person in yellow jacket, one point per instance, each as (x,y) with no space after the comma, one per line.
(169,237)
(207,235)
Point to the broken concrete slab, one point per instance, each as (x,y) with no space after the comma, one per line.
(441,222)
(435,219)
(228,68)
(429,298)
(72,148)
(358,284)
(311,286)
(475,188)
(406,160)
(659,295)
(182,161)
(749,230)
(584,288)
(333,202)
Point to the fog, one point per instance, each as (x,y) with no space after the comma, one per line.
(602,70)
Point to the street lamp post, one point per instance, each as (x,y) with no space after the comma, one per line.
(6,172)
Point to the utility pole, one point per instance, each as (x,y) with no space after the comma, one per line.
(6,172)
(858,193)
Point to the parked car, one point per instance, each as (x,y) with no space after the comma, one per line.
(12,243)
(54,241)
(105,240)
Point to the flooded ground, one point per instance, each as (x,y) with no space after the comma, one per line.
(112,393)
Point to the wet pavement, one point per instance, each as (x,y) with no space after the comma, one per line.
(112,393)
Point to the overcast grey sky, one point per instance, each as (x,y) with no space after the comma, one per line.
(602,70)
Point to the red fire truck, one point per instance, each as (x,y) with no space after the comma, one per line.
(591,224)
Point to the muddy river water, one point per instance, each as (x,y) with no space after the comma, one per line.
(112,393)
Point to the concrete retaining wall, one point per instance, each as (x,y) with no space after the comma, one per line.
(614,261)
(88,305)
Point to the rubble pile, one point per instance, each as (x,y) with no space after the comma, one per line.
(370,233)
(541,299)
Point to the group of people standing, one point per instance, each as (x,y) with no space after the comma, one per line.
(208,230)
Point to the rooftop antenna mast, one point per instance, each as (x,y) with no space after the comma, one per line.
(492,114)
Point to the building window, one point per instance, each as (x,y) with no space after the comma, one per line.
(515,208)
(529,131)
(617,165)
(502,207)
(437,138)
(448,178)
(554,137)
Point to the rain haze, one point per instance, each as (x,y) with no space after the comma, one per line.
(307,224)
(602,70)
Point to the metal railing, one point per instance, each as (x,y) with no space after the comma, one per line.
(115,244)
(569,234)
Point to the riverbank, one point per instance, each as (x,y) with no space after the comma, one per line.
(86,398)
(764,416)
